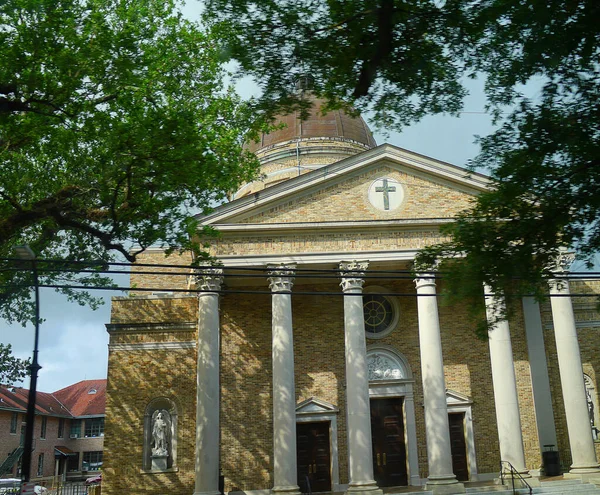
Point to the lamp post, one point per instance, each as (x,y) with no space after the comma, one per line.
(25,253)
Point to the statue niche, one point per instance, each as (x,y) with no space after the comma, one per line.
(160,435)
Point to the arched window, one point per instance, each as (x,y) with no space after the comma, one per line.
(384,363)
(160,435)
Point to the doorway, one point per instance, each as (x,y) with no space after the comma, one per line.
(389,447)
(313,456)
(458,446)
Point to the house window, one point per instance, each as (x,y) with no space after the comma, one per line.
(73,463)
(61,427)
(94,427)
(44,426)
(14,419)
(40,469)
(92,461)
(75,428)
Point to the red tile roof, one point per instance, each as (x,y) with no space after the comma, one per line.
(85,398)
(74,400)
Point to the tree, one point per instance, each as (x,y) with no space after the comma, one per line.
(115,129)
(404,59)
(393,58)
(12,369)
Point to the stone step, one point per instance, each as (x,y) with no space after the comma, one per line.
(567,488)
(488,489)
(561,482)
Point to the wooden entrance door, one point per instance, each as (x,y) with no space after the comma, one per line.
(314,456)
(389,450)
(458,446)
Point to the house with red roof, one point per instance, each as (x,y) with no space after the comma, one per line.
(68,430)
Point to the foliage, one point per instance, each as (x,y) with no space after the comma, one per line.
(544,158)
(405,59)
(12,369)
(390,57)
(115,128)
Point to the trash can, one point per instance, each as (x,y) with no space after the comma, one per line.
(551,461)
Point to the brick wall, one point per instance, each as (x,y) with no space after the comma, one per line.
(136,377)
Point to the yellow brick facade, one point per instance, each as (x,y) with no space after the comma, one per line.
(246,380)
(138,375)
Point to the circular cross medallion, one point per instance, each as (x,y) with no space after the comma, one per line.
(386,194)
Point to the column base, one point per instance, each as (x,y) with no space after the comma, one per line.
(364,488)
(444,485)
(584,473)
(577,470)
(207,493)
(286,490)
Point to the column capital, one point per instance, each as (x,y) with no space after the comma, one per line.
(560,266)
(425,274)
(281,277)
(352,274)
(208,278)
(563,261)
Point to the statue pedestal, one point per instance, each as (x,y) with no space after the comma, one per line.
(159,462)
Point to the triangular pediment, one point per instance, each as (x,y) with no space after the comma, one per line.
(454,398)
(315,406)
(378,185)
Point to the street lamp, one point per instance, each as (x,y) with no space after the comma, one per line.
(25,253)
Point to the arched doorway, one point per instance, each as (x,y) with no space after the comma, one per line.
(393,427)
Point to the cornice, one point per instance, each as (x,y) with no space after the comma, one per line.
(293,227)
(152,346)
(243,260)
(188,326)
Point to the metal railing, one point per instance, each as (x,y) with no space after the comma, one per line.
(513,473)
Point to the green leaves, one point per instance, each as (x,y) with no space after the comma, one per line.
(12,369)
(115,129)
(389,57)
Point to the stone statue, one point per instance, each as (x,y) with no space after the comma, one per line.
(161,429)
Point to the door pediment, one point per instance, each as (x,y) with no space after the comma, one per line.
(315,406)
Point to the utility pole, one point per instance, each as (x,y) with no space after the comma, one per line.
(25,253)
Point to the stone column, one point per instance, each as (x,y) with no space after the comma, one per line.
(207,383)
(571,374)
(441,478)
(360,448)
(504,380)
(285,474)
(536,349)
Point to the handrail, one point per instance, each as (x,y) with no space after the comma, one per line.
(513,471)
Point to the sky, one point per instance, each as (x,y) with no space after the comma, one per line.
(73,343)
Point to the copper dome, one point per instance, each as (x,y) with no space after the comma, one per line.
(335,124)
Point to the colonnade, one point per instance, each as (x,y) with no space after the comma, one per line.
(441,479)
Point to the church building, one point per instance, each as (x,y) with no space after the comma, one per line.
(310,358)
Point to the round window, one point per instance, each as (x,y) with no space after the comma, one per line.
(381,314)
